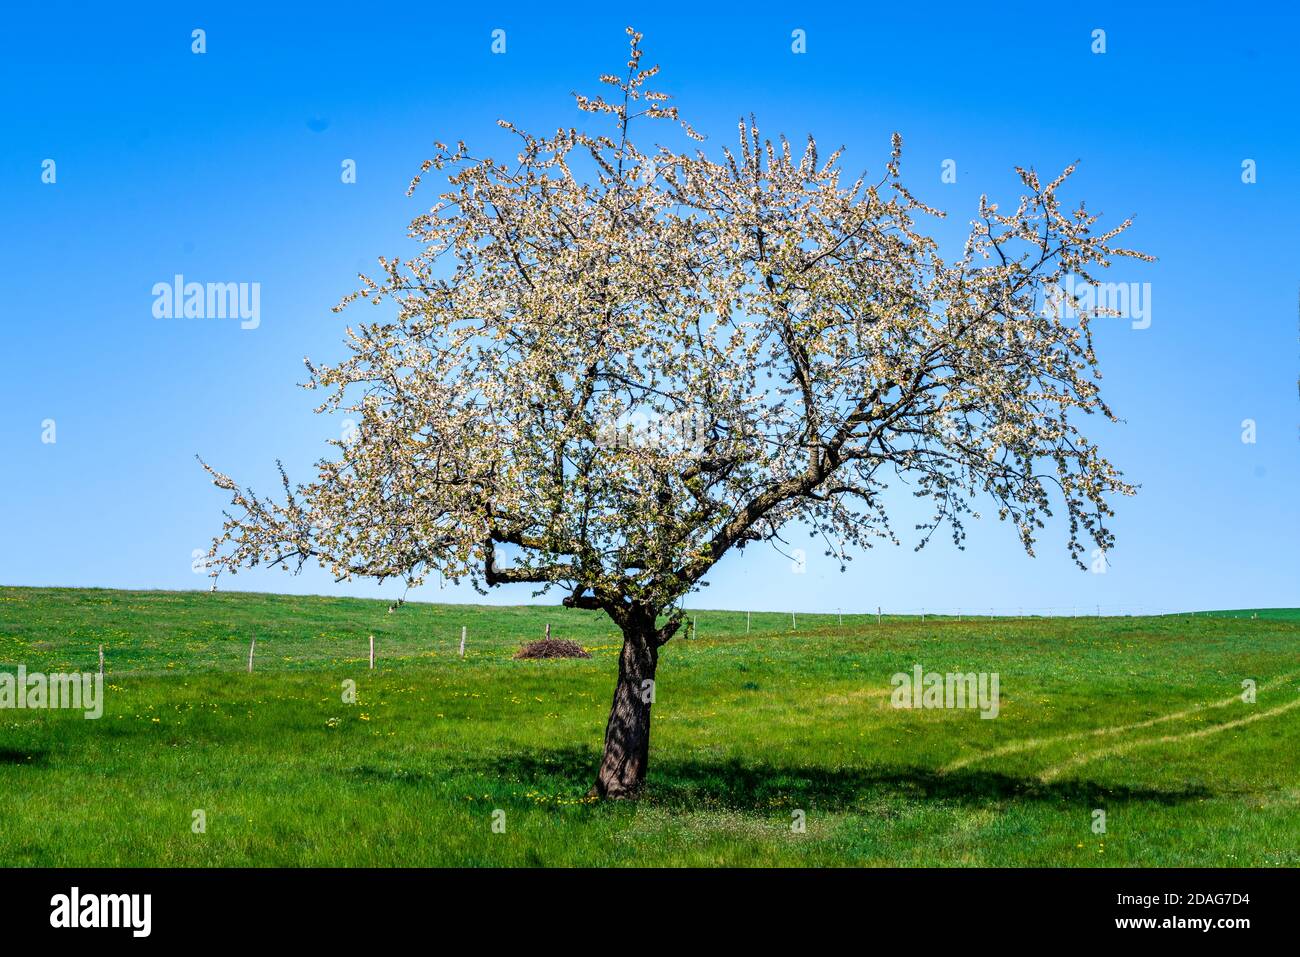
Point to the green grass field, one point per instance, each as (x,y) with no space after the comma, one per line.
(1139,717)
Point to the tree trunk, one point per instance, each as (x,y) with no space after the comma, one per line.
(627,736)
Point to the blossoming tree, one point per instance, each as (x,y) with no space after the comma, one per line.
(608,366)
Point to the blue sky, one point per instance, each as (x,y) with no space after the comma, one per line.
(225,167)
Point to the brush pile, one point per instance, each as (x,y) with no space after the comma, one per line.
(552,648)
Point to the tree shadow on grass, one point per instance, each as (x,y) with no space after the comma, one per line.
(756,786)
(21,756)
(391,775)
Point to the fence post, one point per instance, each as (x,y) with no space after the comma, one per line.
(372,652)
(548,631)
(746,622)
(877,614)
(462,641)
(794,624)
(251,646)
(101,661)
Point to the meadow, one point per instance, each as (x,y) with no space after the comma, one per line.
(1141,718)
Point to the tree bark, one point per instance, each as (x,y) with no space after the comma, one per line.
(627,735)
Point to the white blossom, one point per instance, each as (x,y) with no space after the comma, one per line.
(801,319)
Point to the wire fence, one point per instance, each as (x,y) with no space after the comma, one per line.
(990,611)
(473,634)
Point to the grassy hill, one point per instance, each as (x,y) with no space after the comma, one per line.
(1274,614)
(1137,717)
